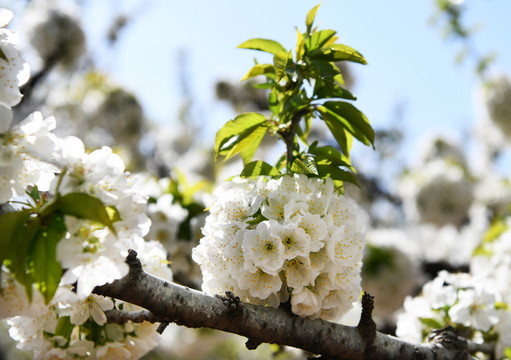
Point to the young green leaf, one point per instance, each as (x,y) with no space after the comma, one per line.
(305,166)
(280,64)
(352,119)
(259,168)
(260,69)
(300,47)
(84,206)
(341,136)
(47,271)
(11,224)
(318,39)
(338,52)
(326,70)
(266,45)
(330,155)
(333,172)
(19,253)
(334,91)
(311,15)
(248,142)
(235,127)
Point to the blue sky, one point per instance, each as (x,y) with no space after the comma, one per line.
(410,65)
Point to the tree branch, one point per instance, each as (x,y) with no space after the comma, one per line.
(169,302)
(122,317)
(288,135)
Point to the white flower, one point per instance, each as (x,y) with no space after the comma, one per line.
(165,219)
(153,257)
(115,351)
(316,228)
(475,308)
(295,240)
(306,301)
(25,154)
(14,72)
(91,257)
(93,306)
(299,272)
(263,249)
(345,246)
(14,300)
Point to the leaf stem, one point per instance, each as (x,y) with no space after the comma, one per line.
(289,134)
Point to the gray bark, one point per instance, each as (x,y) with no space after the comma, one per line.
(169,302)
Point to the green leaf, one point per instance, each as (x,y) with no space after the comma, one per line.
(266,45)
(19,253)
(235,127)
(260,69)
(330,154)
(333,172)
(248,142)
(341,136)
(352,119)
(84,206)
(64,327)
(259,168)
(280,64)
(318,39)
(11,224)
(47,271)
(326,70)
(274,104)
(300,46)
(34,194)
(328,92)
(305,166)
(311,15)
(344,52)
(338,52)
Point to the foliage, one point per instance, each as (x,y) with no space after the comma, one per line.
(305,86)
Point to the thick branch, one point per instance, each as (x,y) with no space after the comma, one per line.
(169,302)
(122,317)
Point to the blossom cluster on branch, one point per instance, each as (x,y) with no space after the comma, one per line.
(292,239)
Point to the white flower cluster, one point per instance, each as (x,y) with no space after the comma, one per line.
(95,255)
(438,193)
(293,238)
(71,329)
(498,104)
(25,155)
(73,324)
(479,301)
